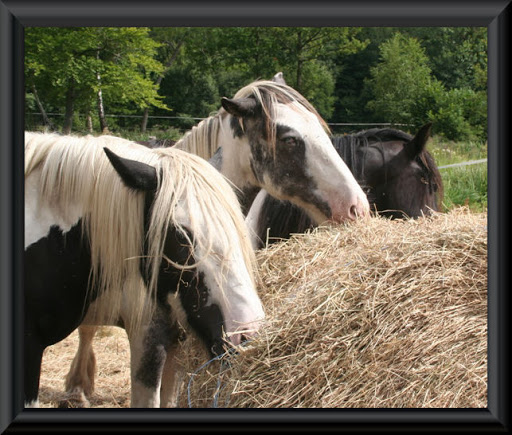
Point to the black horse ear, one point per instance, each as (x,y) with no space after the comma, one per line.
(279,78)
(418,143)
(136,175)
(240,107)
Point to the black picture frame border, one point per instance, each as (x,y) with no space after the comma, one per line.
(15,15)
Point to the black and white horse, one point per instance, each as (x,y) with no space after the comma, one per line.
(270,137)
(150,239)
(267,136)
(394,168)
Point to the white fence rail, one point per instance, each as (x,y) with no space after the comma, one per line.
(471,162)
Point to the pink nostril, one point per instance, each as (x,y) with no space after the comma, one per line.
(353,213)
(243,336)
(357,211)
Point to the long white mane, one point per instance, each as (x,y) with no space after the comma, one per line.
(75,172)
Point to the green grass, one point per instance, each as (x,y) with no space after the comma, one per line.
(463,185)
(447,152)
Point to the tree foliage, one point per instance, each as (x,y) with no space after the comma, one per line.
(351,75)
(75,63)
(399,79)
(405,90)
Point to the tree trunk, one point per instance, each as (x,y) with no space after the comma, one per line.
(101,112)
(46,120)
(68,116)
(101,108)
(144,123)
(89,122)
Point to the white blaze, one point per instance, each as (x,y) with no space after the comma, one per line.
(335,183)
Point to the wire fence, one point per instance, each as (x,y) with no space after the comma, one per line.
(36,118)
(31,122)
(200,119)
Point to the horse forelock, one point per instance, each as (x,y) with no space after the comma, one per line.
(347,146)
(202,140)
(434,179)
(269,94)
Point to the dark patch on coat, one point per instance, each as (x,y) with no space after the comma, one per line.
(206,320)
(161,335)
(287,167)
(60,262)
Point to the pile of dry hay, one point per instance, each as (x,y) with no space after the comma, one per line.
(380,313)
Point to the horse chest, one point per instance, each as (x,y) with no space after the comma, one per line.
(56,277)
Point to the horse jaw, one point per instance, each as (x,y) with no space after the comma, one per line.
(241,309)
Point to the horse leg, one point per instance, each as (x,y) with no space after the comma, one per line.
(172,378)
(147,359)
(32,372)
(80,379)
(150,347)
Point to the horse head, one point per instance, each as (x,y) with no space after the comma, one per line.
(399,173)
(277,141)
(204,274)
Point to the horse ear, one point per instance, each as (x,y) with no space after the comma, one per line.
(240,107)
(136,175)
(418,143)
(279,78)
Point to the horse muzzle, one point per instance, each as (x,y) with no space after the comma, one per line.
(352,209)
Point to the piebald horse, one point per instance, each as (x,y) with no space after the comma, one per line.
(267,136)
(149,239)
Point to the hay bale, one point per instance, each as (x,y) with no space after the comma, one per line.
(377,314)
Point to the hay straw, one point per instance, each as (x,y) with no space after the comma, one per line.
(380,314)
(377,314)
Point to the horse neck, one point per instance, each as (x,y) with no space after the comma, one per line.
(347,147)
(232,161)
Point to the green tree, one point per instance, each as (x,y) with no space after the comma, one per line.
(398,81)
(233,57)
(70,66)
(457,55)
(405,91)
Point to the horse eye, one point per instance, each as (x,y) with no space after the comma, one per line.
(290,141)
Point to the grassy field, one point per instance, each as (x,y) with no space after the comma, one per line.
(463,185)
